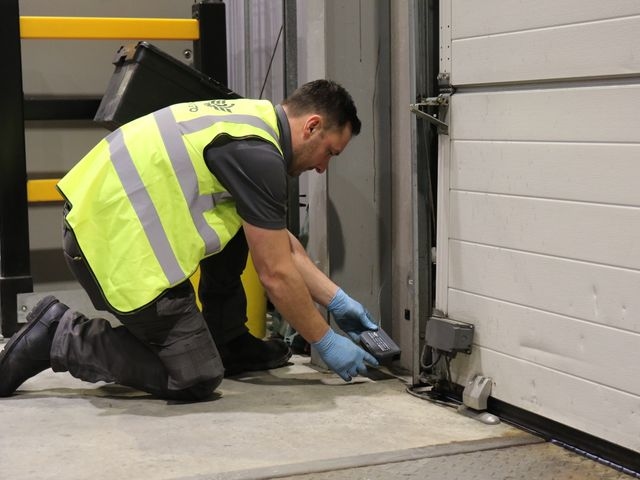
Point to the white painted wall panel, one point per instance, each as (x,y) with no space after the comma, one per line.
(597,49)
(590,172)
(604,234)
(471,18)
(587,114)
(583,404)
(594,293)
(571,346)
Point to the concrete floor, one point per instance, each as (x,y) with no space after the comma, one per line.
(526,462)
(290,421)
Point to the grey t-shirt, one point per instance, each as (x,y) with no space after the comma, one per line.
(255,174)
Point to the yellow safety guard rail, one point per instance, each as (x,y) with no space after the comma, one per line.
(43,190)
(94,28)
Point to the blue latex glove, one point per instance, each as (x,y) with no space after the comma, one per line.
(343,356)
(350,315)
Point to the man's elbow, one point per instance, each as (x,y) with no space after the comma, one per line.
(272,279)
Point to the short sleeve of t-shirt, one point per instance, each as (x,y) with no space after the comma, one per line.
(254,173)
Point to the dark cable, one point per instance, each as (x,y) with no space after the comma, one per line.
(430,398)
(447,361)
(433,362)
(273,54)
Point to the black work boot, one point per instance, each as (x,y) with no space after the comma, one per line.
(247,353)
(28,351)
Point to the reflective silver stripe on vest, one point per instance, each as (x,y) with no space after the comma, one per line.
(188,178)
(220,197)
(144,207)
(200,123)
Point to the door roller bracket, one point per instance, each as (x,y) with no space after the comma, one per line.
(442,102)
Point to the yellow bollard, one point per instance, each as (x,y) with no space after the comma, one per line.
(256,299)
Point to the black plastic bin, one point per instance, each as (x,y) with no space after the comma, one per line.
(147,79)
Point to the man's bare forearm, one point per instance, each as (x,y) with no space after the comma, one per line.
(321,288)
(284,282)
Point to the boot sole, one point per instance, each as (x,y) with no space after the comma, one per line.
(33,317)
(238,369)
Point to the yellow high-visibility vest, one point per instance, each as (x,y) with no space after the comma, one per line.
(146,208)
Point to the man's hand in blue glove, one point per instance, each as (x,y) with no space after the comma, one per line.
(343,356)
(350,315)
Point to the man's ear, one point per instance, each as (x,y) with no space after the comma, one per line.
(313,123)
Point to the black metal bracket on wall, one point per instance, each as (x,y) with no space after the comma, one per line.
(15,268)
(289,13)
(56,107)
(210,50)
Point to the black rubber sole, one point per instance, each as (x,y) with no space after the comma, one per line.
(238,369)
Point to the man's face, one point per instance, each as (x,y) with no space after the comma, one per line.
(317,147)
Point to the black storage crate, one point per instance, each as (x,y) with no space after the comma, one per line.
(147,79)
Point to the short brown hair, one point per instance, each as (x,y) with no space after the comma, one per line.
(328,98)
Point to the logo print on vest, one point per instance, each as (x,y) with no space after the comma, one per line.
(220,105)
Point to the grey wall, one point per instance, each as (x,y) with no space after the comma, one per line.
(312,65)
(357,56)
(363,207)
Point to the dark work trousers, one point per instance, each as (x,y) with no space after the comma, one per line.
(224,302)
(166,348)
